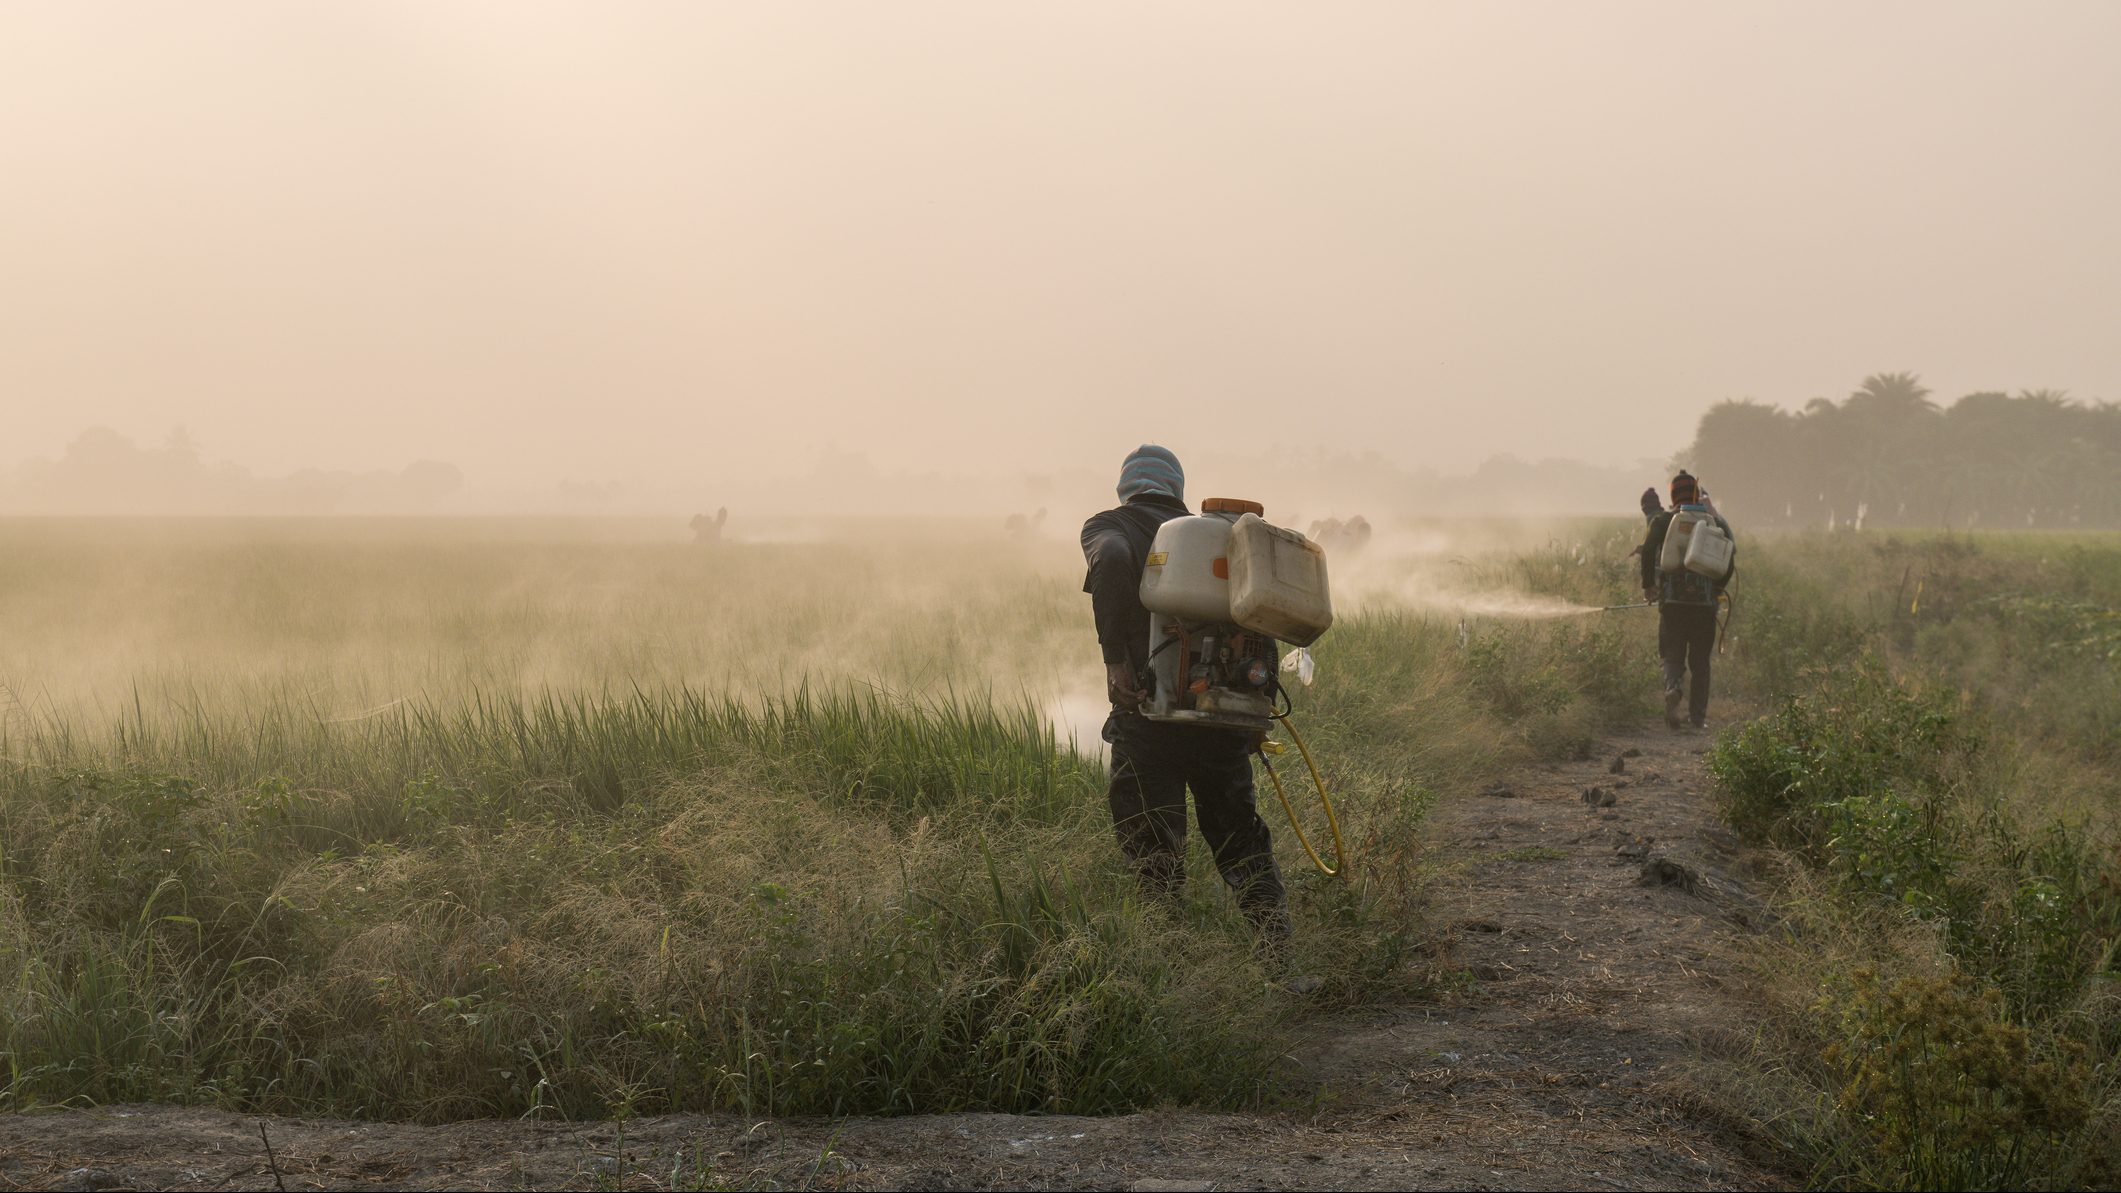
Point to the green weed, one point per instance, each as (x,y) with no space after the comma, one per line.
(1951,792)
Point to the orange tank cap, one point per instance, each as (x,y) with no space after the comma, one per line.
(1232,505)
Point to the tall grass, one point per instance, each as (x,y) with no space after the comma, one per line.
(435,826)
(826,904)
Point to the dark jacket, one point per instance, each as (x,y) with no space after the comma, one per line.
(1685,588)
(1116,546)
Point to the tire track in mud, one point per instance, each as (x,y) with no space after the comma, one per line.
(1588,943)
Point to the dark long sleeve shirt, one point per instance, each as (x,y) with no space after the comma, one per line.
(1685,588)
(1116,548)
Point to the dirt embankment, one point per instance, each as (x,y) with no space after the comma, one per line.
(1591,938)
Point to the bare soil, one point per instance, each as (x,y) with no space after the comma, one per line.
(1586,954)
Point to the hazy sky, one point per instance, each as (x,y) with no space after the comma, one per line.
(617,241)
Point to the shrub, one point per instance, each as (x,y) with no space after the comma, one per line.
(1952,1093)
(1789,778)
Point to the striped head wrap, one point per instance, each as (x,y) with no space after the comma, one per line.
(1151,469)
(1685,489)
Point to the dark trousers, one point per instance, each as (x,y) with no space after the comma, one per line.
(1686,640)
(1153,763)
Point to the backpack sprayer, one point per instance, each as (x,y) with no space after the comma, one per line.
(1695,545)
(1222,587)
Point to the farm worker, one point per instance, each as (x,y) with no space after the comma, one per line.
(707,531)
(1652,505)
(1154,762)
(1686,610)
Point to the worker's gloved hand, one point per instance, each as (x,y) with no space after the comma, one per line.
(1121,685)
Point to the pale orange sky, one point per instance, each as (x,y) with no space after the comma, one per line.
(643,242)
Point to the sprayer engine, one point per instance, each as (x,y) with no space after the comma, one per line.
(1210,674)
(1222,589)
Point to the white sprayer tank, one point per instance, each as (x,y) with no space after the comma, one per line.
(1188,570)
(1678,536)
(1278,582)
(1709,554)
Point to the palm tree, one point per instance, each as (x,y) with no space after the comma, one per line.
(1892,424)
(1893,391)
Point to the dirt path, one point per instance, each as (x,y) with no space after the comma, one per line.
(1588,939)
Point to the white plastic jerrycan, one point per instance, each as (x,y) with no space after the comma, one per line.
(1709,553)
(1278,582)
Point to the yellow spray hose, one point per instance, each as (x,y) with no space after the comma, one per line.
(1340,851)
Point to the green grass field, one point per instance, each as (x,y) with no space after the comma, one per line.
(447,820)
(438,821)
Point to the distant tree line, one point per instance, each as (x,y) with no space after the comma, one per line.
(1889,456)
(104,472)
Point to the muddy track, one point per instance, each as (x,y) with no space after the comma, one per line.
(1589,943)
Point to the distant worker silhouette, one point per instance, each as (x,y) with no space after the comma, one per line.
(707,531)
(1346,539)
(1686,607)
(1652,505)
(1356,535)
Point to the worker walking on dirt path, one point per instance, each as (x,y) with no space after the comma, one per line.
(1154,762)
(1686,609)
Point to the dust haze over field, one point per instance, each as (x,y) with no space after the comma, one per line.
(932,258)
(348,617)
(539,585)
